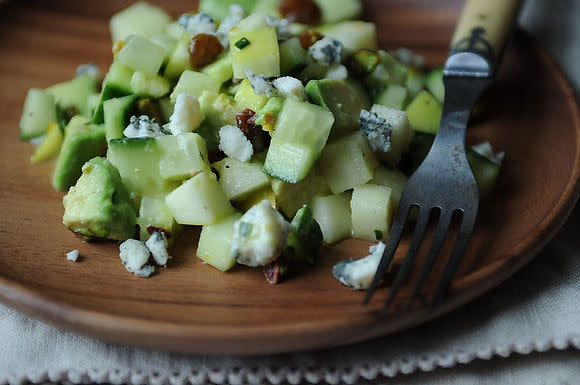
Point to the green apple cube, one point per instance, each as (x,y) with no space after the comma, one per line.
(240,179)
(424,113)
(353,35)
(348,162)
(141,18)
(332,212)
(299,136)
(215,242)
(220,70)
(199,201)
(39,110)
(182,156)
(155,215)
(195,83)
(401,132)
(393,178)
(245,96)
(154,86)
(178,60)
(261,55)
(371,212)
(334,11)
(141,54)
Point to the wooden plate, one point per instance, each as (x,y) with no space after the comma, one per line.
(530,113)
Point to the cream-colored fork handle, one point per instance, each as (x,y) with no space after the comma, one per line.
(494,16)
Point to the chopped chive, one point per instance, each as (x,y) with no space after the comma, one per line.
(378,235)
(242,43)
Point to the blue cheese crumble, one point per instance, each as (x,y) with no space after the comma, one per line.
(143,126)
(234,143)
(157,245)
(282,27)
(90,69)
(326,51)
(377,130)
(289,87)
(260,235)
(198,23)
(134,255)
(72,255)
(187,115)
(337,71)
(359,273)
(260,83)
(234,17)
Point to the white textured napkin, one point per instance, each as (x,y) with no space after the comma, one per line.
(527,331)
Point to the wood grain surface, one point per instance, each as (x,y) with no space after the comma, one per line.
(530,113)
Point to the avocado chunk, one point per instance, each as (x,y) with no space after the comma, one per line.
(341,99)
(98,205)
(82,141)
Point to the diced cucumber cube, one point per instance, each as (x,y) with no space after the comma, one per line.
(38,112)
(167,42)
(141,54)
(424,113)
(154,215)
(215,242)
(199,201)
(182,156)
(394,96)
(178,60)
(261,55)
(194,83)
(74,93)
(434,83)
(301,133)
(348,162)
(240,179)
(220,70)
(117,83)
(292,56)
(415,82)
(486,172)
(332,212)
(141,18)
(117,112)
(371,212)
(353,35)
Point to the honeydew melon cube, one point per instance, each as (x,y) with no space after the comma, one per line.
(332,212)
(38,112)
(215,242)
(141,54)
(182,156)
(240,179)
(199,201)
(155,215)
(348,162)
(194,83)
(262,55)
(141,18)
(371,212)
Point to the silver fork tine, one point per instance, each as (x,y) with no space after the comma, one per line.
(465,230)
(392,243)
(416,240)
(438,238)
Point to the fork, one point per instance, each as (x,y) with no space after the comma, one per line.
(444,181)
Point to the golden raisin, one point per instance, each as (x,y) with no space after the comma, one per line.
(301,11)
(309,37)
(204,49)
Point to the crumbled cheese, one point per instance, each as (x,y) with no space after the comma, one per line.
(187,115)
(157,245)
(234,143)
(90,69)
(377,130)
(337,71)
(359,273)
(198,23)
(143,126)
(326,51)
(134,254)
(260,83)
(289,87)
(235,16)
(282,27)
(486,150)
(72,255)
(408,58)
(260,235)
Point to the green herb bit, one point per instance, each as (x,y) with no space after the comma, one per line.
(378,234)
(242,43)
(245,229)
